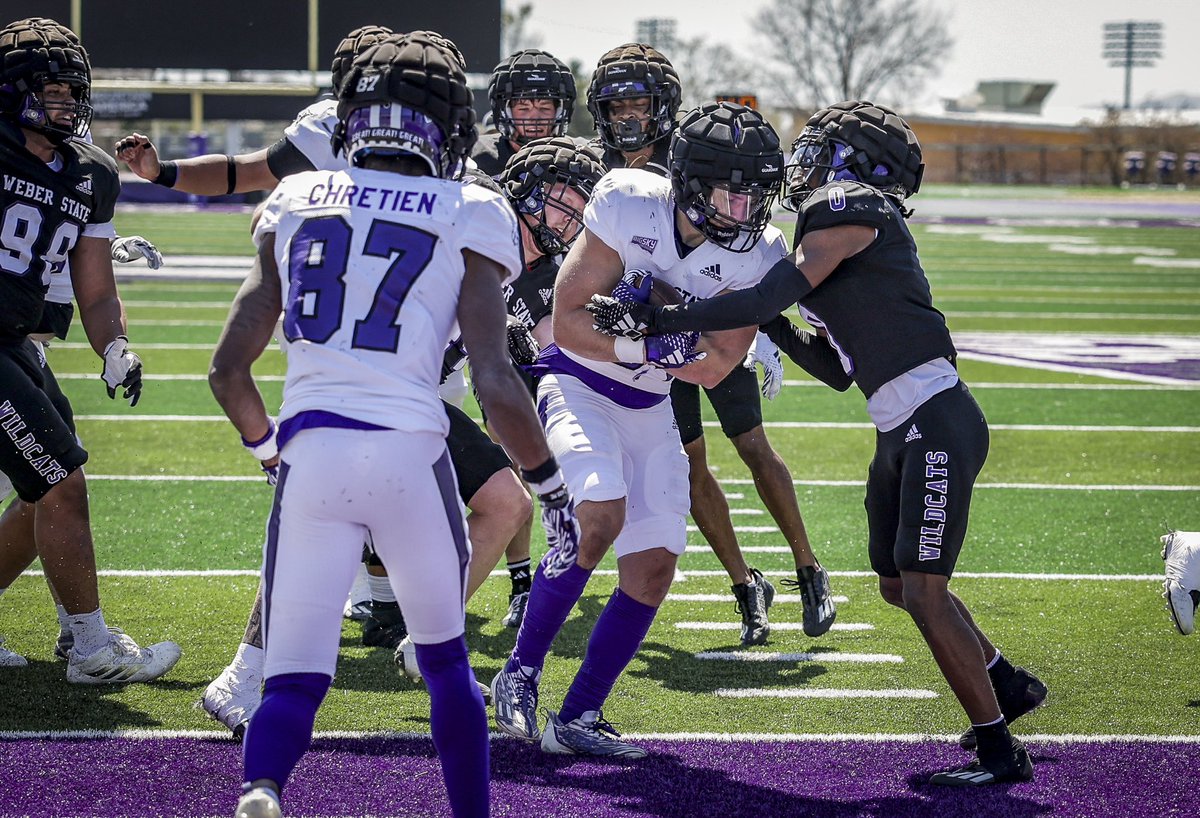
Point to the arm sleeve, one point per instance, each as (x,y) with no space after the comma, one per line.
(782,286)
(811,352)
(284,159)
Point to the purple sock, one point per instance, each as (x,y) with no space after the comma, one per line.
(281,729)
(615,640)
(550,603)
(459,723)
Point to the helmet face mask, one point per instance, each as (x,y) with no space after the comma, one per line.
(45,79)
(633,73)
(548,182)
(856,141)
(531,76)
(726,167)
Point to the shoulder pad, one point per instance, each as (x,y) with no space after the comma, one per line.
(845,202)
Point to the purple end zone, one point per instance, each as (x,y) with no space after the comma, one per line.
(401,777)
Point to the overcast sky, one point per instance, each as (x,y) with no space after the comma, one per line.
(1046,40)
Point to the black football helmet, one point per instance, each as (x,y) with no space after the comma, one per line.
(406,95)
(353,44)
(36,52)
(856,140)
(726,168)
(536,179)
(531,74)
(627,72)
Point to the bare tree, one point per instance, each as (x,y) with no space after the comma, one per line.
(825,51)
(707,69)
(515,34)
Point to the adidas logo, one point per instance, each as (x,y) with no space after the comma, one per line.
(712,271)
(546,294)
(85,186)
(912,435)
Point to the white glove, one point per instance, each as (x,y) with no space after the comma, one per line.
(122,368)
(131,248)
(763,351)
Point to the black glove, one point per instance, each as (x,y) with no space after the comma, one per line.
(522,346)
(628,318)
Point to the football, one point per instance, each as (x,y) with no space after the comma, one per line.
(662,294)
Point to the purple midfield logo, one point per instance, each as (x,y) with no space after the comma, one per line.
(646,244)
(1164,359)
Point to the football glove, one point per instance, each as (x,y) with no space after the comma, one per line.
(453,359)
(634,286)
(131,248)
(522,346)
(562,528)
(628,318)
(764,352)
(122,368)
(673,350)
(1181,552)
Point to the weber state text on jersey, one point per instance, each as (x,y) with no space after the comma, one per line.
(633,212)
(44,210)
(371,268)
(874,346)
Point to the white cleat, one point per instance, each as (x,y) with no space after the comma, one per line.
(260,802)
(232,697)
(122,661)
(10,659)
(1181,552)
(405,658)
(588,735)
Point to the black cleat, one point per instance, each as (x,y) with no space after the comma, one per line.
(819,611)
(753,601)
(516,609)
(385,627)
(1022,693)
(1010,769)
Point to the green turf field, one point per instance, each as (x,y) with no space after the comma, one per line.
(1085,472)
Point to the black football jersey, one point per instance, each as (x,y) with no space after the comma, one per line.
(530,297)
(876,306)
(43,213)
(491,153)
(659,163)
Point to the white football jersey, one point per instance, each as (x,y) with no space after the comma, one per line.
(311,131)
(371,267)
(633,212)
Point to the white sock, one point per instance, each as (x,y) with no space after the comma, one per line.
(249,657)
(64,619)
(91,633)
(995,659)
(381,589)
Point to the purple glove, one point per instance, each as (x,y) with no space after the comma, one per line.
(673,350)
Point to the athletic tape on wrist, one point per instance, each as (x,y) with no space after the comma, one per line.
(629,351)
(266,447)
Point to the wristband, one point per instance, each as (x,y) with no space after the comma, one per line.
(541,474)
(230,174)
(266,447)
(629,351)
(168,174)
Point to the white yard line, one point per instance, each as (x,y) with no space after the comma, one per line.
(779,598)
(612,572)
(775,656)
(777,424)
(741,481)
(819,693)
(775,626)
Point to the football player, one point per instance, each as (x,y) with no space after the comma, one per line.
(633,97)
(533,96)
(856,277)
(498,503)
(1181,552)
(605,409)
(373,267)
(58,208)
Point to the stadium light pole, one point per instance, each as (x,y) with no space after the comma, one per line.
(1132,44)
